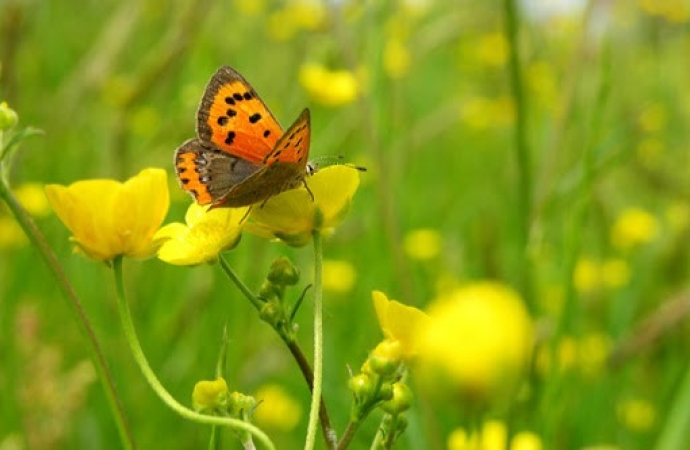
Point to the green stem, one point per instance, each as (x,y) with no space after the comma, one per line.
(240,285)
(94,347)
(297,354)
(522,157)
(676,431)
(318,343)
(168,399)
(349,433)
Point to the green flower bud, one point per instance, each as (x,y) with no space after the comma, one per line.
(241,405)
(210,395)
(272,313)
(386,357)
(283,272)
(386,391)
(361,386)
(401,401)
(269,291)
(8,117)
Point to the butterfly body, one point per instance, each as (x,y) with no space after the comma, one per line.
(241,155)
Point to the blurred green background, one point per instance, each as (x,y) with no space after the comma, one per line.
(592,230)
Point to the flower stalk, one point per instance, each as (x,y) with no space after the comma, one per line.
(163,394)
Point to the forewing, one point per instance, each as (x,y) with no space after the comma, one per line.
(233,117)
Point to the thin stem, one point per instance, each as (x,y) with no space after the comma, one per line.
(318,342)
(348,434)
(524,188)
(93,347)
(305,368)
(168,399)
(297,354)
(240,285)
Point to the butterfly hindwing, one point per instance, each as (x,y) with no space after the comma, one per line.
(234,118)
(208,173)
(264,184)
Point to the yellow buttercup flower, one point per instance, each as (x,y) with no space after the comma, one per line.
(399,322)
(476,343)
(277,408)
(205,235)
(329,87)
(109,218)
(292,216)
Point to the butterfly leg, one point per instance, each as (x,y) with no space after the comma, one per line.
(306,186)
(247,213)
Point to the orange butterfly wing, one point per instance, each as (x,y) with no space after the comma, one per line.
(234,118)
(293,146)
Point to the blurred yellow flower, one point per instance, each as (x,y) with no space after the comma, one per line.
(493,436)
(674,11)
(615,273)
(482,113)
(329,87)
(526,440)
(338,276)
(593,349)
(277,408)
(251,9)
(292,216)
(210,395)
(677,217)
(423,244)
(399,322)
(396,58)
(32,196)
(637,414)
(566,355)
(476,343)
(477,113)
(634,227)
(109,218)
(591,276)
(205,235)
(586,276)
(284,23)
(11,234)
(653,118)
(492,49)
(542,81)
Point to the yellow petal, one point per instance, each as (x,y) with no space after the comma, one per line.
(292,216)
(206,234)
(399,322)
(108,218)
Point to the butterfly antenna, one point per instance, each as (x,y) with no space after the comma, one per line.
(325,161)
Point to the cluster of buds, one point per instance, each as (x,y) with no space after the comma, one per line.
(379,384)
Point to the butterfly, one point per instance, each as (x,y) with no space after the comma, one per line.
(241,156)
